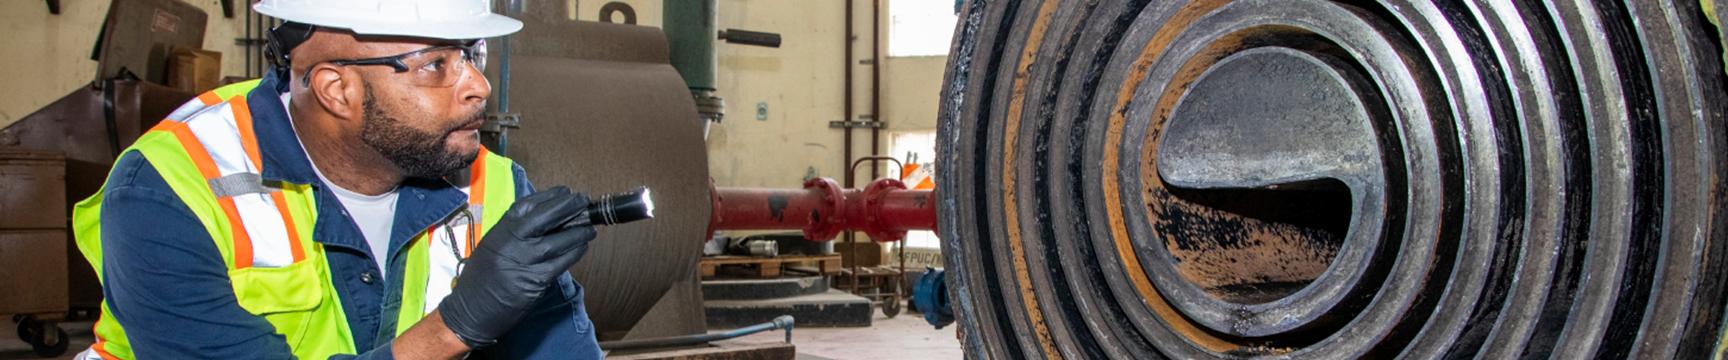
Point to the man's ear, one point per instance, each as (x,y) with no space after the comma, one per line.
(339,90)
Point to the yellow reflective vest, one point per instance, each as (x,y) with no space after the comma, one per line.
(207,153)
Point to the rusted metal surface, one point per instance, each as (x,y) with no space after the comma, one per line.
(77,126)
(603,112)
(1245,173)
(1319,179)
(33,241)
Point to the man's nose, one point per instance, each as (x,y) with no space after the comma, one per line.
(473,86)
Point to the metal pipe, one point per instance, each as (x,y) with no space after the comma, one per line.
(783,322)
(852,170)
(885,210)
(876,84)
(514,8)
(846,99)
(690,35)
(816,209)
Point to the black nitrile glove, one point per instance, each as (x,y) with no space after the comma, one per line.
(538,239)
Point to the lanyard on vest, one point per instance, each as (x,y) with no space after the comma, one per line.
(471,222)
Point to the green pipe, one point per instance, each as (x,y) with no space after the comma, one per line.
(691,32)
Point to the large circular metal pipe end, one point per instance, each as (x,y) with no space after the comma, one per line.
(1335,179)
(1267,193)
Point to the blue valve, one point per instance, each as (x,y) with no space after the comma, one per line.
(930,295)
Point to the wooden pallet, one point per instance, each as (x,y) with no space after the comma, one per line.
(766,267)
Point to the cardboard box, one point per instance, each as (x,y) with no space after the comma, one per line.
(869,252)
(194,70)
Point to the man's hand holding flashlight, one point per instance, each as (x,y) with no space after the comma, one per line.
(535,242)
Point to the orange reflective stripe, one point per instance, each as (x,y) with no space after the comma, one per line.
(476,196)
(165,125)
(101,345)
(194,149)
(248,140)
(242,240)
(209,98)
(288,222)
(207,167)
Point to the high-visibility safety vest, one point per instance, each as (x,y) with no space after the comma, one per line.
(208,155)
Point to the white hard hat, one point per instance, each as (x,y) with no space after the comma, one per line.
(439,19)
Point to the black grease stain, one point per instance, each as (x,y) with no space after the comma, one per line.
(777,207)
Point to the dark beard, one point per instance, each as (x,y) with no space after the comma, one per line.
(417,153)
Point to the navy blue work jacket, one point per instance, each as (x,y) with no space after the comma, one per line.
(168,287)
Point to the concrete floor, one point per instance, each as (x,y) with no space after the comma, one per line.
(903,337)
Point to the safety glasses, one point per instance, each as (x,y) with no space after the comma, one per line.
(437,66)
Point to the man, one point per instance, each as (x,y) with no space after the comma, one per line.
(341,206)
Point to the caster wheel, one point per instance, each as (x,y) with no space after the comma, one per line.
(891,308)
(28,328)
(51,344)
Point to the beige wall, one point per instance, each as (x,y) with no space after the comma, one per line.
(801,82)
(48,55)
(911,94)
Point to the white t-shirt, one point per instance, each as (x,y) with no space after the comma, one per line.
(375,215)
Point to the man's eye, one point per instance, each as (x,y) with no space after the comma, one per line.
(434,65)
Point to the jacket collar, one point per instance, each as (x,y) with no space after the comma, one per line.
(421,203)
(284,159)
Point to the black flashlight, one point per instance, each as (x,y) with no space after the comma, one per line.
(619,208)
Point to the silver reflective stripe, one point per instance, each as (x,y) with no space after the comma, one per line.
(238,184)
(461,220)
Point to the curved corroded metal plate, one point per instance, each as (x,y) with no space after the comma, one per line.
(1335,179)
(607,126)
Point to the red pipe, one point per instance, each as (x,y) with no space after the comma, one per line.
(885,210)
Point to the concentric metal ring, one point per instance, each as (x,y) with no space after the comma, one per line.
(1488,179)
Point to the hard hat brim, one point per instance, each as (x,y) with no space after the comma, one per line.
(481,27)
(490,26)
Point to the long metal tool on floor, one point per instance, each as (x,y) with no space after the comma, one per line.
(782,322)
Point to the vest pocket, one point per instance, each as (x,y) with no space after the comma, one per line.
(288,297)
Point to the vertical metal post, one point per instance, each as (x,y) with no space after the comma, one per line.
(691,30)
(495,132)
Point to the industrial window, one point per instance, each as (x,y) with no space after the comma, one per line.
(920,27)
(917,150)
